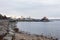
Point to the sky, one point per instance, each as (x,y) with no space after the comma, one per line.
(33,8)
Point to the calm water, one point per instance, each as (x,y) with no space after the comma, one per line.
(47,28)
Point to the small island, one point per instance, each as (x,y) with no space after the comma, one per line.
(44,19)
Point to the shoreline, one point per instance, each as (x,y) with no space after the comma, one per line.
(15,34)
(27,36)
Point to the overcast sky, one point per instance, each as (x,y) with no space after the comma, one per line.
(33,8)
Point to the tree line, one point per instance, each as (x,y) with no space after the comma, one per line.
(3,16)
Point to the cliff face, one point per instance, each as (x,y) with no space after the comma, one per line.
(3,28)
(6,29)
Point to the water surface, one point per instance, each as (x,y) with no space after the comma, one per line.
(47,28)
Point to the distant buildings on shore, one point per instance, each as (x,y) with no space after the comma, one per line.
(23,19)
(32,19)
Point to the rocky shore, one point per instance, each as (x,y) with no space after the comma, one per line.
(11,32)
(25,36)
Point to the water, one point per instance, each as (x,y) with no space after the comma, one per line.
(47,28)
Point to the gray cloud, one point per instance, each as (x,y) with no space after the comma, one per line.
(34,8)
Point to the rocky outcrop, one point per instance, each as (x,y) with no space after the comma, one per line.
(3,28)
(45,19)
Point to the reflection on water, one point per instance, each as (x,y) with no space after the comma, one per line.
(47,28)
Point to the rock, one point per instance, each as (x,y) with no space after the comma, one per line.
(44,19)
